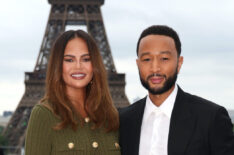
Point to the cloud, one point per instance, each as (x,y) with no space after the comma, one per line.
(204,26)
(210,79)
(205,29)
(10,93)
(133,87)
(199,77)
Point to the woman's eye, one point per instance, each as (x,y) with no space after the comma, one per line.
(86,59)
(68,60)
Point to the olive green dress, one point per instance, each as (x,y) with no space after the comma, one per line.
(41,139)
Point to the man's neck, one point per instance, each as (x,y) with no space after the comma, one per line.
(159,99)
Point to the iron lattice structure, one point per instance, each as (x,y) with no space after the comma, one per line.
(62,14)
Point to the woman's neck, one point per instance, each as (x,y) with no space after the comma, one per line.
(77,98)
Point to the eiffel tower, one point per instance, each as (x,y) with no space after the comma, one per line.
(64,13)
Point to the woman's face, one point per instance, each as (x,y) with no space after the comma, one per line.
(77,66)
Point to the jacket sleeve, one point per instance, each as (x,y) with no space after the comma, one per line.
(38,135)
(221,137)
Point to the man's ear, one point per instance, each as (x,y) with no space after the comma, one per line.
(180,62)
(137,62)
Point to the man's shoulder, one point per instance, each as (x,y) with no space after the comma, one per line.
(135,107)
(200,103)
(197,107)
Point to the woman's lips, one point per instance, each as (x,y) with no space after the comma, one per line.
(78,76)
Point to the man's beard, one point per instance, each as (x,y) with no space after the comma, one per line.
(169,83)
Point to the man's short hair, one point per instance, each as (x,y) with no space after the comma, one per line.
(161,30)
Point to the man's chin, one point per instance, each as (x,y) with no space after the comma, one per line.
(159,90)
(156,87)
(155,90)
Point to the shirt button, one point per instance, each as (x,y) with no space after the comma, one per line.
(70,145)
(95,145)
(117,145)
(87,119)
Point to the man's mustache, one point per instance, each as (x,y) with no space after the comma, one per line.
(155,74)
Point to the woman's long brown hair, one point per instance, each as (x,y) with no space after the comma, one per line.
(98,103)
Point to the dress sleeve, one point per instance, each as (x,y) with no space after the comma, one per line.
(222,137)
(38,136)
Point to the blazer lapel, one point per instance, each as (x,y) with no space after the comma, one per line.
(181,125)
(135,127)
(138,124)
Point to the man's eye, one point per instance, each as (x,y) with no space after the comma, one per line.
(146,59)
(164,59)
(68,60)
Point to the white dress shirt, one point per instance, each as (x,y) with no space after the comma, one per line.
(155,126)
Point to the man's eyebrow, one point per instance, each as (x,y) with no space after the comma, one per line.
(143,54)
(161,52)
(165,52)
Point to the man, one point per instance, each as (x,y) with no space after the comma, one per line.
(169,121)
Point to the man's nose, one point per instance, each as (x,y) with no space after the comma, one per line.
(155,66)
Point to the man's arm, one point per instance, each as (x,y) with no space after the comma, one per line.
(221,135)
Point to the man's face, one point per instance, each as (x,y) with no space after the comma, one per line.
(158,63)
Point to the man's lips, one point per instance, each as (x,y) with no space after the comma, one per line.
(156,78)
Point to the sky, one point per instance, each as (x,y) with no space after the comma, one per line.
(206,30)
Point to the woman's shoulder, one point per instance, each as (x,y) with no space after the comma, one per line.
(42,107)
(43,111)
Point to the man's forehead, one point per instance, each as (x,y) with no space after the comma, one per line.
(143,53)
(157,37)
(156,44)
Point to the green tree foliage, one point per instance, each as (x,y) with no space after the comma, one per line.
(2,138)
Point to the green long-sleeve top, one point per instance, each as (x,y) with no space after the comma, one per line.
(42,139)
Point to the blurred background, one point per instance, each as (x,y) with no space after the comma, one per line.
(205,29)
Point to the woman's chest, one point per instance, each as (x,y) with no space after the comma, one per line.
(85,141)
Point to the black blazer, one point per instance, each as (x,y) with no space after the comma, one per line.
(197,127)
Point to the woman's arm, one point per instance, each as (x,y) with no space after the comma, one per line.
(38,135)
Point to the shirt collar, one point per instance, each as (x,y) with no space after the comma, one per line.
(166,107)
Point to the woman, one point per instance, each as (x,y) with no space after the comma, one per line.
(76,115)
